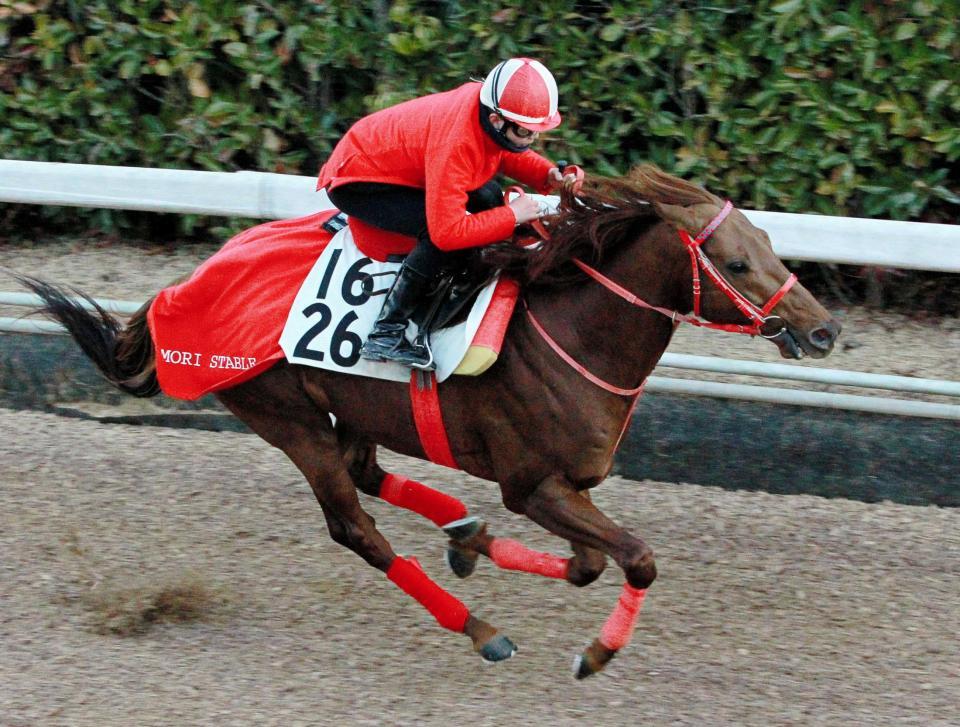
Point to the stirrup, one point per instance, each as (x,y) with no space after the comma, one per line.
(422,343)
(418,357)
(401,352)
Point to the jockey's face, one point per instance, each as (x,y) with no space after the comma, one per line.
(515,134)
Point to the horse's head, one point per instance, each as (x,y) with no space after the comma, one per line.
(744,264)
(733,278)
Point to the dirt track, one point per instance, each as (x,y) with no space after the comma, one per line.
(769,610)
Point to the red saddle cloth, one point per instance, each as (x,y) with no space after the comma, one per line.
(222,326)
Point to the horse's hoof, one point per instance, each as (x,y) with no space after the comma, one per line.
(581,667)
(461,561)
(499,648)
(464,528)
(592,660)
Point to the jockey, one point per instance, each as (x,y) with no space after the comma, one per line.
(417,168)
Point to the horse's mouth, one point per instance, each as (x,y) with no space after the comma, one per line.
(788,345)
(816,344)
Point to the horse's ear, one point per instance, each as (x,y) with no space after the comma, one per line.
(675,215)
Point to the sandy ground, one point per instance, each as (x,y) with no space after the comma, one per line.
(768,610)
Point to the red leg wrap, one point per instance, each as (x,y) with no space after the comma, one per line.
(618,630)
(512,555)
(447,610)
(412,495)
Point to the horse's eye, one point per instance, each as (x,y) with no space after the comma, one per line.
(738,267)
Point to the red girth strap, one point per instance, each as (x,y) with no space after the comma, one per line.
(425,402)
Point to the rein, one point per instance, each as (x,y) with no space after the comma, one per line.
(698,258)
(573,363)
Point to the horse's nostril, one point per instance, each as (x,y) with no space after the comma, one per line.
(823,337)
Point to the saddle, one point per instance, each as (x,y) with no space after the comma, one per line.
(452,298)
(454,291)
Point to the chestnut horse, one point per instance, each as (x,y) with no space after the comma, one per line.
(599,303)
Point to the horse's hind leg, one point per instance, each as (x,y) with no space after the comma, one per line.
(468,535)
(360,457)
(276,408)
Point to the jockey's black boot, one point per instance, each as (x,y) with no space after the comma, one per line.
(387,341)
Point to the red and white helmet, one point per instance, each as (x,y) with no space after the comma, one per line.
(523,91)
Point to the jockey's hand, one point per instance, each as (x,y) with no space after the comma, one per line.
(556,179)
(525,209)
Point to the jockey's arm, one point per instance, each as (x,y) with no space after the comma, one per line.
(450,227)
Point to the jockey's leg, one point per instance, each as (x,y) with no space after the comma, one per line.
(390,207)
(274,406)
(556,505)
(395,208)
(404,210)
(387,341)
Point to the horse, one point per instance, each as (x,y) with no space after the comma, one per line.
(601,296)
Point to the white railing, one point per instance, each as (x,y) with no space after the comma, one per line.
(276,196)
(230,194)
(836,377)
(820,238)
(799,397)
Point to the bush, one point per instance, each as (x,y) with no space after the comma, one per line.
(842,108)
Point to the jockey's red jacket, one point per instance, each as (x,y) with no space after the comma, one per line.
(436,143)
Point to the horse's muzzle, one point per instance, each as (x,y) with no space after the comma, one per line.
(817,342)
(822,338)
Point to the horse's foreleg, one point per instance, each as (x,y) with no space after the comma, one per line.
(583,568)
(586,565)
(506,553)
(440,508)
(560,508)
(350,526)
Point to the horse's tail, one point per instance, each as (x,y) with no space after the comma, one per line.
(123,354)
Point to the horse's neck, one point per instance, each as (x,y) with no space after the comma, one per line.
(611,338)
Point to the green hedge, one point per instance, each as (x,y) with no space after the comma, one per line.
(794,105)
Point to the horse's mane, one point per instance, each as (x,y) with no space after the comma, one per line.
(607,212)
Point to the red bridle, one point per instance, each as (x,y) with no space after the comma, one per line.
(758,315)
(699,259)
